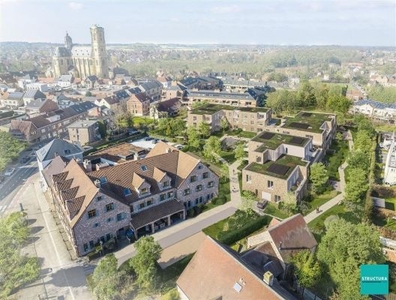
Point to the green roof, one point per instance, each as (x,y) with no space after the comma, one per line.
(274,140)
(307,121)
(208,109)
(285,160)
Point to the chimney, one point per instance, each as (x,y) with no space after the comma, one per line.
(97,183)
(56,154)
(87,165)
(268,278)
(280,246)
(168,150)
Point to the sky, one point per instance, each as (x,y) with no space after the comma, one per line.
(275,22)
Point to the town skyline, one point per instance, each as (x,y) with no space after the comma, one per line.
(330,22)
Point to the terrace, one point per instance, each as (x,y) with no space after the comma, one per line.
(209,109)
(307,121)
(282,168)
(274,140)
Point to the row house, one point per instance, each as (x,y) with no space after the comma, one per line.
(12,100)
(98,202)
(40,106)
(139,104)
(222,98)
(50,125)
(153,89)
(278,166)
(240,86)
(84,132)
(248,119)
(32,95)
(375,109)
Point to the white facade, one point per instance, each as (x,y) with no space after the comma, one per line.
(390,166)
(42,87)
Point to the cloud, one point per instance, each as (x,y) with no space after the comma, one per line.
(225,9)
(75,5)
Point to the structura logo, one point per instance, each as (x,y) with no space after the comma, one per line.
(374,279)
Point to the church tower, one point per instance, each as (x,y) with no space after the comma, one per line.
(68,42)
(99,54)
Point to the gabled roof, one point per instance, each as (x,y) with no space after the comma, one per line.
(37,104)
(375,104)
(15,96)
(216,272)
(150,85)
(56,166)
(169,105)
(58,147)
(35,94)
(292,235)
(141,97)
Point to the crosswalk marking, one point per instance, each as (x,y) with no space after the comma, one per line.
(88,268)
(3,208)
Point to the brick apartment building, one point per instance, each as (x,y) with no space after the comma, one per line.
(84,131)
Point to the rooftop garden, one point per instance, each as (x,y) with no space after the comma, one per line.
(276,171)
(274,140)
(312,119)
(208,109)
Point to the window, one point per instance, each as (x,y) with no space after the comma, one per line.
(286,150)
(110,207)
(85,247)
(91,244)
(127,192)
(109,220)
(193,178)
(166,184)
(186,192)
(205,175)
(248,178)
(196,201)
(108,236)
(170,194)
(103,179)
(149,202)
(96,225)
(258,159)
(92,214)
(144,191)
(121,216)
(210,184)
(162,197)
(199,188)
(199,167)
(142,205)
(270,184)
(99,198)
(144,168)
(277,198)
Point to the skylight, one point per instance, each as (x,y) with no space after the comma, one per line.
(143,168)
(103,179)
(127,192)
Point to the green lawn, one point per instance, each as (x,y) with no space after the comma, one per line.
(321,199)
(243,164)
(214,229)
(273,210)
(229,156)
(138,121)
(224,190)
(244,134)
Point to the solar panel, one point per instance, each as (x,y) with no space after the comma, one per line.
(296,140)
(306,115)
(267,135)
(299,125)
(278,169)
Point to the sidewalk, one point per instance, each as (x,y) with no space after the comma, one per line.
(333,202)
(187,232)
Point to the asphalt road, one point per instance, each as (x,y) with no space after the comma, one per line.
(12,184)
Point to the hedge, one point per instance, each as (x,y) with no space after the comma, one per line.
(368,205)
(230,237)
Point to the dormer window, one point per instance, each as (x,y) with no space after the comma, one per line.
(143,168)
(144,191)
(166,184)
(127,192)
(103,179)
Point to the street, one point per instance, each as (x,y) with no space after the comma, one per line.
(60,278)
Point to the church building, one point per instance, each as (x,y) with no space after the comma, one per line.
(82,61)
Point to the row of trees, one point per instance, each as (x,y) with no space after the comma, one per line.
(10,148)
(319,96)
(383,94)
(140,275)
(16,269)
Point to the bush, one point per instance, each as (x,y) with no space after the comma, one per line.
(191,213)
(197,210)
(230,237)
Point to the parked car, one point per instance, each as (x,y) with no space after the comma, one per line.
(262,204)
(1,178)
(24,159)
(9,172)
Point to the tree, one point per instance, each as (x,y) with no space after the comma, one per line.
(359,160)
(363,142)
(306,95)
(356,185)
(193,138)
(125,120)
(212,148)
(345,247)
(204,129)
(319,177)
(102,129)
(10,148)
(289,203)
(240,151)
(307,268)
(16,269)
(88,94)
(224,124)
(364,124)
(108,282)
(144,262)
(248,199)
(338,103)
